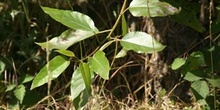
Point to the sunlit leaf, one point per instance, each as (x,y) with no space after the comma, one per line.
(201,88)
(194,75)
(66,53)
(77,84)
(71,19)
(121,53)
(66,39)
(19,92)
(100,64)
(2,67)
(151,8)
(56,66)
(26,78)
(202,102)
(86,74)
(10,87)
(141,42)
(177,63)
(215,82)
(106,45)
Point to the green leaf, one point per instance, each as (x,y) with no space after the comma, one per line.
(151,8)
(124,25)
(19,92)
(10,87)
(56,66)
(2,67)
(71,19)
(81,100)
(141,42)
(177,63)
(86,74)
(198,59)
(121,53)
(25,78)
(66,53)
(201,88)
(106,45)
(77,84)
(214,82)
(202,102)
(194,75)
(100,64)
(194,61)
(66,39)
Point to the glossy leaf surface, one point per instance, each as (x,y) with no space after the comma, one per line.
(77,84)
(56,66)
(66,53)
(141,42)
(66,39)
(71,19)
(86,75)
(100,64)
(151,8)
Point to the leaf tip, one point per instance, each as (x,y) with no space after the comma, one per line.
(32,87)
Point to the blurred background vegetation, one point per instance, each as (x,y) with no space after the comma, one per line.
(22,23)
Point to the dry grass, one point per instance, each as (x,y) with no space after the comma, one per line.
(98,102)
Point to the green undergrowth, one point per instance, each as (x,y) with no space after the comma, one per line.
(73,55)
